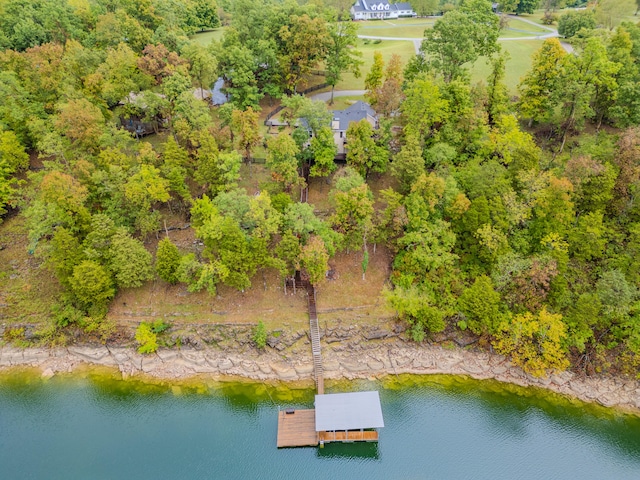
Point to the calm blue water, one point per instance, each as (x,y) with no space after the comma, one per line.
(438,427)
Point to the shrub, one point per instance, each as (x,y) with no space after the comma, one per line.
(146,338)
(549,18)
(167,261)
(260,335)
(571,22)
(159,326)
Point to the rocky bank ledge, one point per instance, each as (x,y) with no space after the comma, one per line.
(348,353)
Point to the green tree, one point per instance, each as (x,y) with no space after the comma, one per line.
(585,75)
(353,215)
(408,164)
(167,261)
(217,171)
(363,154)
(202,64)
(174,168)
(130,262)
(460,37)
(480,304)
(315,260)
(303,43)
(588,238)
(423,107)
(341,55)
(236,64)
(244,125)
(203,14)
(63,254)
(12,158)
(417,308)
(373,80)
(572,22)
(539,84)
(324,152)
(282,160)
(498,95)
(92,286)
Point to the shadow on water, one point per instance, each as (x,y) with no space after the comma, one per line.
(356,451)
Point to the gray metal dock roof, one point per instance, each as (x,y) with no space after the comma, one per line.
(348,411)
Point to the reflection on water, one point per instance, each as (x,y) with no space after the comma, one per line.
(99,426)
(354,451)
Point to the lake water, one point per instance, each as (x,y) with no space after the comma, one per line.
(98,427)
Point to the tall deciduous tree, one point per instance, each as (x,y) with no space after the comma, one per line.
(353,216)
(363,153)
(130,262)
(202,64)
(539,84)
(497,93)
(341,55)
(373,80)
(282,160)
(315,260)
(408,164)
(460,37)
(92,286)
(244,125)
(324,152)
(423,107)
(304,42)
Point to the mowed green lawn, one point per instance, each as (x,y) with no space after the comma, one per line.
(205,38)
(521,52)
(387,47)
(413,28)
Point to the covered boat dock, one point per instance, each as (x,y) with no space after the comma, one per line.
(338,417)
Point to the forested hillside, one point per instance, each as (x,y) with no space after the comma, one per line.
(513,218)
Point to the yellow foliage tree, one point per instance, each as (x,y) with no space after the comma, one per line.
(534,342)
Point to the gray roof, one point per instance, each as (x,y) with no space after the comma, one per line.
(354,113)
(348,411)
(365,5)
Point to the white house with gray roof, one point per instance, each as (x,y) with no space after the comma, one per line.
(380,9)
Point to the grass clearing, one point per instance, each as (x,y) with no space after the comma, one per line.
(340,103)
(404,30)
(521,52)
(521,26)
(27,289)
(205,38)
(387,47)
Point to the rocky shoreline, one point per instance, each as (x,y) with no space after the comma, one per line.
(348,353)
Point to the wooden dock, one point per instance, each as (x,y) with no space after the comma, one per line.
(297,429)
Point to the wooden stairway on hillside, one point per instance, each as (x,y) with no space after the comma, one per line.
(315,339)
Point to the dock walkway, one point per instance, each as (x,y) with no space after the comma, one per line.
(315,339)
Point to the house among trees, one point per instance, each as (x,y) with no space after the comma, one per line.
(378,9)
(343,118)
